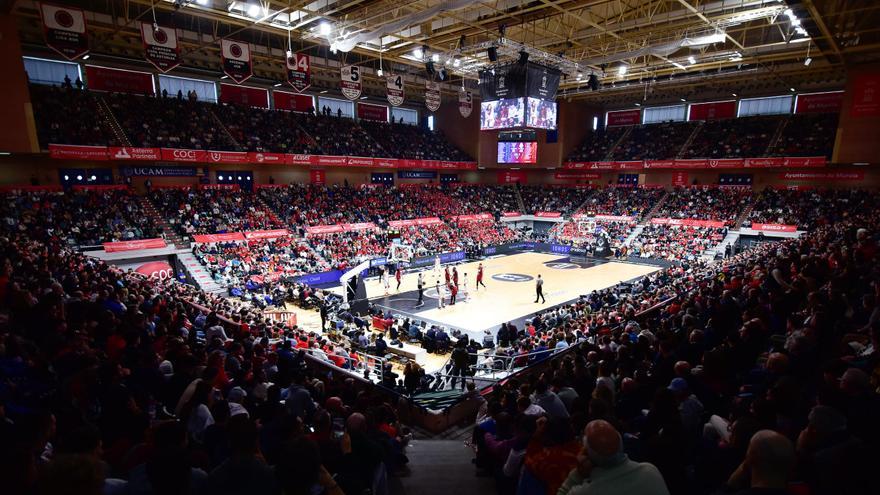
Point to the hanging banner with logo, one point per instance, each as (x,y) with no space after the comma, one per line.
(160,46)
(394,86)
(299,71)
(65,30)
(318,176)
(432,95)
(465,103)
(350,81)
(679,178)
(237,62)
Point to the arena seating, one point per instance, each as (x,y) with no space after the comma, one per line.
(65,115)
(210,211)
(560,199)
(622,201)
(653,141)
(808,208)
(807,135)
(673,242)
(412,141)
(710,203)
(256,129)
(236,264)
(597,144)
(485,198)
(743,137)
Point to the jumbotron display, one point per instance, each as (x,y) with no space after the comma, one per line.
(502,114)
(541,114)
(520,152)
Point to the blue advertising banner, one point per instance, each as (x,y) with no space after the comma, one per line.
(416,174)
(381,261)
(444,258)
(320,278)
(158,171)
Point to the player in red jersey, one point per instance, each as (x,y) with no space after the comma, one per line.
(397,275)
(479,278)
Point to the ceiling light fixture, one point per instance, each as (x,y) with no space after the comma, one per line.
(253,10)
(621,71)
(418,53)
(692,60)
(325,28)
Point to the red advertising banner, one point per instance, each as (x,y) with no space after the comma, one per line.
(725,162)
(679,178)
(512,176)
(763,162)
(100,187)
(342,227)
(318,177)
(228,157)
(805,161)
(265,234)
(292,101)
(243,95)
(713,111)
(267,158)
(576,175)
(687,222)
(415,221)
(181,155)
(77,152)
(866,96)
(629,165)
(774,227)
(548,214)
(227,237)
(372,112)
(508,214)
(587,165)
(819,103)
(659,163)
(65,30)
(30,188)
(119,81)
(473,218)
(624,117)
(823,176)
(115,247)
(613,218)
(124,153)
(160,46)
(236,59)
(299,71)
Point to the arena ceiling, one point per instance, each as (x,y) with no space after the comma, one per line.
(652,50)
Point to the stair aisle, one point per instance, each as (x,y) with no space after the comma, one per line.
(653,210)
(634,234)
(171,236)
(199,273)
(440,467)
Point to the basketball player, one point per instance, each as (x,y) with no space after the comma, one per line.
(446,272)
(437,264)
(465,293)
(479,277)
(441,294)
(539,289)
(385,282)
(420,283)
(454,276)
(453,291)
(397,274)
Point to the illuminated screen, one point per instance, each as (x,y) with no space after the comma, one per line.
(502,114)
(521,152)
(541,114)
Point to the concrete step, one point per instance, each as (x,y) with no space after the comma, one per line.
(198,272)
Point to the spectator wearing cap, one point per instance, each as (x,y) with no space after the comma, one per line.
(690,408)
(235,398)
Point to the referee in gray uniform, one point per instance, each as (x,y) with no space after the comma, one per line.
(539,289)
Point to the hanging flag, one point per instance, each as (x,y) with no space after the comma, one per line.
(351,81)
(237,62)
(299,71)
(394,85)
(432,95)
(160,46)
(465,103)
(65,30)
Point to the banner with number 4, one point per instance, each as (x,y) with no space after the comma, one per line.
(299,71)
(394,85)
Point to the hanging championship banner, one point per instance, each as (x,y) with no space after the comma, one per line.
(351,81)
(394,85)
(160,46)
(236,60)
(299,71)
(432,95)
(465,103)
(65,30)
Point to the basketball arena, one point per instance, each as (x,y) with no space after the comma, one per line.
(364,247)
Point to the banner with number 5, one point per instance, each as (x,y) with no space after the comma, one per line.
(299,71)
(351,81)
(394,85)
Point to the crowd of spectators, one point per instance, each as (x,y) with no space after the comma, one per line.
(654,141)
(675,242)
(65,115)
(485,198)
(210,211)
(255,262)
(583,235)
(412,141)
(705,203)
(262,130)
(622,201)
(345,249)
(807,208)
(84,217)
(597,144)
(807,135)
(561,199)
(742,137)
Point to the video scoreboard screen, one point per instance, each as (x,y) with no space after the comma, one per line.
(518,152)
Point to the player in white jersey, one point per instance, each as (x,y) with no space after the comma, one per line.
(385,281)
(466,294)
(441,295)
(437,264)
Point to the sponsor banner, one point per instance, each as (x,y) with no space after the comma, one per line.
(415,221)
(474,218)
(182,155)
(386,163)
(267,158)
(725,162)
(763,162)
(692,163)
(126,153)
(687,222)
(432,96)
(115,247)
(324,160)
(465,103)
(330,277)
(227,237)
(359,161)
(77,152)
(588,165)
(548,214)
(101,187)
(823,176)
(577,175)
(819,102)
(243,95)
(218,187)
(659,163)
(624,117)
(804,161)
(236,60)
(372,112)
(774,227)
(350,81)
(342,227)
(512,176)
(227,156)
(119,81)
(29,188)
(679,178)
(866,95)
(416,174)
(156,269)
(265,234)
(713,111)
(293,102)
(158,171)
(160,46)
(318,177)
(65,30)
(508,214)
(299,71)
(444,258)
(629,165)
(360,226)
(604,218)
(394,88)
